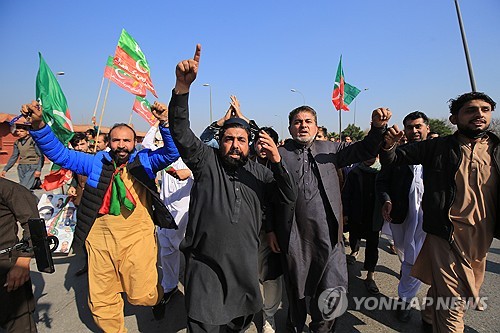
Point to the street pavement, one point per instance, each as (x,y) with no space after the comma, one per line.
(62,300)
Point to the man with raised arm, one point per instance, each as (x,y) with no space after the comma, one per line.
(400,189)
(120,203)
(460,208)
(311,235)
(228,202)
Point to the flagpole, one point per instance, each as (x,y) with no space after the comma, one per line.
(98,97)
(340,119)
(130,119)
(466,48)
(102,114)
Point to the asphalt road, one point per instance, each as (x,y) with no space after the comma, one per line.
(62,300)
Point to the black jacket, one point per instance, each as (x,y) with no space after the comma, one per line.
(360,201)
(393,184)
(440,158)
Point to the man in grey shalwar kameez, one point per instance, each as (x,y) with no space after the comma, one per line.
(310,236)
(228,202)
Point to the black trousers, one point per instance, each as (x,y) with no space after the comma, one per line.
(317,324)
(16,308)
(371,250)
(236,325)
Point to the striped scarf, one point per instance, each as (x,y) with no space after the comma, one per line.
(117,195)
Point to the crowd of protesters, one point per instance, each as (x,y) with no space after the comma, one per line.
(251,213)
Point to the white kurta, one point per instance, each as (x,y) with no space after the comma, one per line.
(175,194)
(409,236)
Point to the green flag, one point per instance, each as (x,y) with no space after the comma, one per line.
(350,93)
(131,47)
(55,110)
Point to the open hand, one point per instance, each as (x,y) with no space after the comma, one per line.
(386,211)
(269,147)
(272,241)
(18,274)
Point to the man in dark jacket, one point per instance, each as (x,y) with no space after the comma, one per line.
(228,199)
(400,190)
(16,296)
(310,235)
(120,203)
(363,217)
(460,205)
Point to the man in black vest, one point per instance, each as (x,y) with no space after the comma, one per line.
(30,158)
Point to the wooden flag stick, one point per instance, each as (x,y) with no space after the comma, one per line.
(102,114)
(98,98)
(130,119)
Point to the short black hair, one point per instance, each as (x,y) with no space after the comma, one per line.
(323,130)
(235,123)
(303,108)
(117,125)
(77,138)
(105,137)
(272,133)
(90,131)
(457,103)
(416,115)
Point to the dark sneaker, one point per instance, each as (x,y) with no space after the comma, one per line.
(159,309)
(426,327)
(403,312)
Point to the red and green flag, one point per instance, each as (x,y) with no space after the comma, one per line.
(56,178)
(117,195)
(55,113)
(143,108)
(130,58)
(343,93)
(123,79)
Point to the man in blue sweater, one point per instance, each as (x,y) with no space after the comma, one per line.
(120,203)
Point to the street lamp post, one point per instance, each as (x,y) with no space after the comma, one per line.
(210,87)
(356,105)
(466,48)
(298,91)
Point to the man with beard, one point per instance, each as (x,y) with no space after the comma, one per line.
(311,237)
(120,203)
(270,271)
(400,189)
(460,205)
(228,199)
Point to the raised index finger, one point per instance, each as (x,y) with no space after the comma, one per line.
(197,53)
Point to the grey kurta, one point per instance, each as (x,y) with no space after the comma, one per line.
(225,217)
(312,239)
